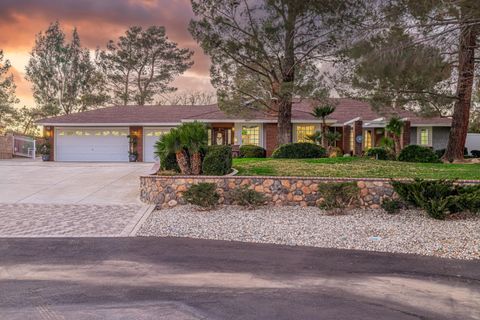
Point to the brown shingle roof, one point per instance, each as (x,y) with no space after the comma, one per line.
(347,109)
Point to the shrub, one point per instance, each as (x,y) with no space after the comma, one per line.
(246,197)
(217,161)
(300,150)
(437,197)
(378,153)
(335,152)
(391,206)
(251,151)
(169,162)
(337,195)
(203,195)
(475,153)
(415,153)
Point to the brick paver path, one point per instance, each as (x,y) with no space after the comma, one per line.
(52,220)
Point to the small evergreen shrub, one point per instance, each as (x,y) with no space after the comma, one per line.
(217,161)
(203,195)
(378,153)
(415,153)
(251,151)
(246,197)
(475,153)
(391,206)
(337,195)
(302,150)
(169,162)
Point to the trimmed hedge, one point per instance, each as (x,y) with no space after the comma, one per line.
(252,151)
(217,161)
(302,150)
(378,153)
(475,153)
(415,153)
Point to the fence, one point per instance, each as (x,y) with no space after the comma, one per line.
(473,141)
(24,146)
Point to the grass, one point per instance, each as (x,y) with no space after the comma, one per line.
(354,167)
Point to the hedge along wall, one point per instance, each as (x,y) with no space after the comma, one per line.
(166,191)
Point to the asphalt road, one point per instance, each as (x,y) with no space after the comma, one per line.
(164,278)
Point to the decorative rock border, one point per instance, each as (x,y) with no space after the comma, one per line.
(167,191)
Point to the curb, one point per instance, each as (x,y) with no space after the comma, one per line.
(132,228)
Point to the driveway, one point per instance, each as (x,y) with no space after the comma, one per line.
(54,199)
(165,278)
(28,181)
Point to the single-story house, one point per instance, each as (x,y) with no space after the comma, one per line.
(101,134)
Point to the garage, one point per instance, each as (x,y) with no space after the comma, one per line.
(151,136)
(91,144)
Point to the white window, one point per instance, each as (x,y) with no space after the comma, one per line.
(251,135)
(424,136)
(303,131)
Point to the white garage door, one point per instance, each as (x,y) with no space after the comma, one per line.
(91,144)
(151,136)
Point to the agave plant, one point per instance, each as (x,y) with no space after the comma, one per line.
(172,143)
(194,136)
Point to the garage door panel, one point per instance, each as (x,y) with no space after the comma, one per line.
(92,144)
(151,136)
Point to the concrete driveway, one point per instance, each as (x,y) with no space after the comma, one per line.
(28,181)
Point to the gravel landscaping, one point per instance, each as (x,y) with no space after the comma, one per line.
(407,232)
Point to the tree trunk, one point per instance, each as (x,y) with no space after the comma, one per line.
(461,112)
(324,133)
(397,145)
(182,161)
(196,163)
(284,122)
(288,77)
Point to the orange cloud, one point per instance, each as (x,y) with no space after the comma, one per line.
(97,22)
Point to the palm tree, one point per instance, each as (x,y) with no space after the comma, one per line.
(395,126)
(322,112)
(194,136)
(172,143)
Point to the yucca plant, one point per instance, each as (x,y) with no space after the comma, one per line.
(172,143)
(322,112)
(395,126)
(194,136)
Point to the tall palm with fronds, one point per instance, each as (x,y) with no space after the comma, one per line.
(395,127)
(322,112)
(194,136)
(172,143)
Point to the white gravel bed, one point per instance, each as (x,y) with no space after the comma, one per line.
(375,230)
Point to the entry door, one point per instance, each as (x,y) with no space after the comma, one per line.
(151,136)
(91,144)
(222,136)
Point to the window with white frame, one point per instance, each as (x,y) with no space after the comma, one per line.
(424,136)
(303,131)
(251,135)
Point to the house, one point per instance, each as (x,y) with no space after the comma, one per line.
(101,135)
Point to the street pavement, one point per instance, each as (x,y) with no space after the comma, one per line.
(178,278)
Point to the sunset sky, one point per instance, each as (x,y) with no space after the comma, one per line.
(97,22)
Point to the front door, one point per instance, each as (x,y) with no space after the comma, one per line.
(222,136)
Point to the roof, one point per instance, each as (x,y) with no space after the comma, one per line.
(346,110)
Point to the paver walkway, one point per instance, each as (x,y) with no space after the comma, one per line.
(69,220)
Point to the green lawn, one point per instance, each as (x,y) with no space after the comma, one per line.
(355,168)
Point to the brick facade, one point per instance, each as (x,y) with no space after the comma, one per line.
(346,139)
(405,140)
(49,135)
(271,131)
(6,146)
(358,131)
(138,133)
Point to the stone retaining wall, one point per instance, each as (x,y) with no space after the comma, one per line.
(166,191)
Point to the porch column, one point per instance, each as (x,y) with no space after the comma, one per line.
(358,131)
(405,141)
(346,139)
(270,130)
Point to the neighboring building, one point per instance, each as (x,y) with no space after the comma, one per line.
(101,135)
